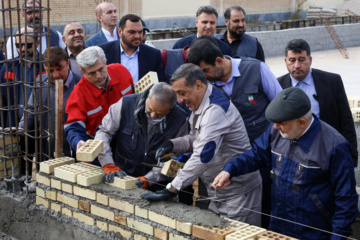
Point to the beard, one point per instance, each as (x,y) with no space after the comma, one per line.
(236,34)
(35,23)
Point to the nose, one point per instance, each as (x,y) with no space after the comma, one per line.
(180,99)
(297,64)
(23,48)
(56,75)
(208,25)
(276,126)
(98,75)
(153,115)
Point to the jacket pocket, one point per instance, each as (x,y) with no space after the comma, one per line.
(129,138)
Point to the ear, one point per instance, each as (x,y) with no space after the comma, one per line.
(63,38)
(310,60)
(37,42)
(219,61)
(302,122)
(198,85)
(196,22)
(68,62)
(226,22)
(98,17)
(119,31)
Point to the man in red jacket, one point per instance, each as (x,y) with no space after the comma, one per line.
(100,87)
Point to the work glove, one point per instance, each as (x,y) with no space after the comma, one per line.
(111,170)
(164,149)
(159,195)
(142,182)
(183,157)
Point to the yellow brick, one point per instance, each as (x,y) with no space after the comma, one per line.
(51,195)
(139,237)
(102,225)
(176,237)
(141,212)
(43,180)
(56,207)
(166,221)
(245,233)
(145,82)
(68,173)
(66,211)
(89,153)
(101,212)
(236,225)
(90,177)
(140,226)
(184,227)
(120,219)
(83,218)
(86,193)
(126,234)
(48,166)
(40,192)
(161,234)
(68,200)
(56,184)
(121,205)
(67,188)
(126,183)
(41,201)
(102,199)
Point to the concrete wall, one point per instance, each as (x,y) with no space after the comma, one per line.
(274,42)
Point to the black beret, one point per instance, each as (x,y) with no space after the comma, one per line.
(289,104)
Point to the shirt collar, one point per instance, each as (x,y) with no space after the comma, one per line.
(204,100)
(307,80)
(107,33)
(69,52)
(123,52)
(69,79)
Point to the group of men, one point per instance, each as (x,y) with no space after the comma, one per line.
(240,124)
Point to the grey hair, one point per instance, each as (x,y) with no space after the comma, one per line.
(308,115)
(89,56)
(163,94)
(190,72)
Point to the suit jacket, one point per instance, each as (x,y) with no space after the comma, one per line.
(186,42)
(97,39)
(333,103)
(149,58)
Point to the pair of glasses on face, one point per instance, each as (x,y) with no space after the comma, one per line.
(28,45)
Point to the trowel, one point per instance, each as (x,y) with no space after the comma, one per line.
(209,198)
(160,159)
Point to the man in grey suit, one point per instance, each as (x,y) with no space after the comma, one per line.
(107,16)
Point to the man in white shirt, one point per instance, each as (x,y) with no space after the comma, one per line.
(32,14)
(107,17)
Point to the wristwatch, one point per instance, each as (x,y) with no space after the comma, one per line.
(170,188)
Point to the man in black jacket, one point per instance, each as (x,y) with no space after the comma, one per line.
(325,90)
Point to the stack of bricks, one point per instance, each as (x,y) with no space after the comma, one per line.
(76,190)
(354,103)
(9,149)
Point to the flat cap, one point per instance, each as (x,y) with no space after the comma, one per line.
(289,104)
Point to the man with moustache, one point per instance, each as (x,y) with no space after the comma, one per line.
(74,38)
(241,43)
(33,16)
(106,14)
(324,89)
(313,188)
(206,18)
(58,68)
(137,57)
(101,86)
(15,72)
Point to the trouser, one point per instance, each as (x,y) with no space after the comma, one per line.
(244,208)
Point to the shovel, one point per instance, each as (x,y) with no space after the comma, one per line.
(160,159)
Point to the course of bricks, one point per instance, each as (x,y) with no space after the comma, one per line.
(111,208)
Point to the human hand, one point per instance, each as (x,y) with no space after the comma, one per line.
(165,148)
(110,171)
(80,144)
(222,180)
(159,195)
(142,182)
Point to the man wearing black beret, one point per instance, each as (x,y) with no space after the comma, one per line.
(313,189)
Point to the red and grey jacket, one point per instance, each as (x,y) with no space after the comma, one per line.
(88,104)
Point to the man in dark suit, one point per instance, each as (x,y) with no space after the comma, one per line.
(137,57)
(325,90)
(107,17)
(206,18)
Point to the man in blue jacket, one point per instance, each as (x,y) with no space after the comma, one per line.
(313,189)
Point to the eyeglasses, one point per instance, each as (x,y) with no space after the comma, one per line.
(28,45)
